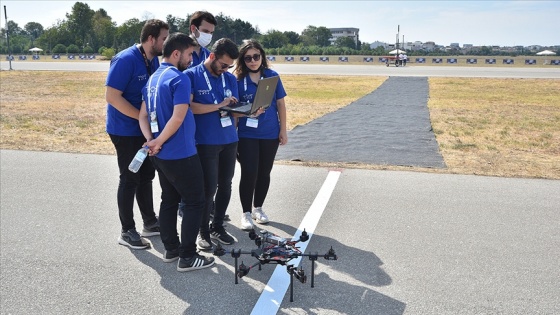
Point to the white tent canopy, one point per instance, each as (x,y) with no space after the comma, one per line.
(546,53)
(397,51)
(35,50)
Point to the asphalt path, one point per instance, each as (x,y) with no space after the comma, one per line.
(407,242)
(332,69)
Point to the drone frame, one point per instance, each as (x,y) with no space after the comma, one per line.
(273,249)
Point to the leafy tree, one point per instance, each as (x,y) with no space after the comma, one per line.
(309,35)
(59,49)
(323,36)
(73,49)
(104,30)
(80,22)
(345,42)
(88,50)
(313,35)
(175,23)
(128,33)
(293,37)
(14,29)
(274,39)
(34,30)
(56,34)
(108,53)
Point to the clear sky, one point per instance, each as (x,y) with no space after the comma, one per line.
(481,23)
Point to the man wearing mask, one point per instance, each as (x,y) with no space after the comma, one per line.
(202,26)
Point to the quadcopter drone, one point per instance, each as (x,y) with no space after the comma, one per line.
(273,249)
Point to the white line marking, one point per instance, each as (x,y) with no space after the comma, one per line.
(275,290)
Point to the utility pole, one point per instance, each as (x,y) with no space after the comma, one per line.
(398,33)
(8,38)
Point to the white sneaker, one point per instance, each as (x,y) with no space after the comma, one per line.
(259,216)
(246,221)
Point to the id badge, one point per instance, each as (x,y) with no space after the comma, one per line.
(252,122)
(153,122)
(226,121)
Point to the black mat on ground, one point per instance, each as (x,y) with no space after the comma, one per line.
(390,126)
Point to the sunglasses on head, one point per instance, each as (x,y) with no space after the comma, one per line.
(255,57)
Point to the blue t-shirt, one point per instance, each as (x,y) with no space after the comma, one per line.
(210,130)
(127,73)
(196,59)
(170,87)
(269,123)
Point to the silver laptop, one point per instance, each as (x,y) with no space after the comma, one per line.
(263,98)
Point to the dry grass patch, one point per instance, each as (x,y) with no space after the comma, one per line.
(54,111)
(65,111)
(501,127)
(310,97)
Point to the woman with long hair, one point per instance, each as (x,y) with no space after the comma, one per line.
(259,137)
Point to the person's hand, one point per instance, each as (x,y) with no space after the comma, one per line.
(230,101)
(258,112)
(154,147)
(283,137)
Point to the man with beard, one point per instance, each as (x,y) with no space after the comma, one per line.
(216,136)
(128,73)
(168,126)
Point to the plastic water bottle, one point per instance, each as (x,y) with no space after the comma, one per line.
(138,159)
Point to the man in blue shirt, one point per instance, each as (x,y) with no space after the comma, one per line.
(169,127)
(216,136)
(202,26)
(128,73)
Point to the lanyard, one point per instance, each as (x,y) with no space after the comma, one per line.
(150,108)
(210,86)
(148,67)
(245,83)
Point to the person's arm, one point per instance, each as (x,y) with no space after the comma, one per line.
(115,98)
(198,108)
(179,114)
(283,136)
(144,124)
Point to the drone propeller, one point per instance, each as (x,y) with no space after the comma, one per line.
(219,250)
(304,237)
(242,271)
(330,255)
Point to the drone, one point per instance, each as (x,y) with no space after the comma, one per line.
(273,249)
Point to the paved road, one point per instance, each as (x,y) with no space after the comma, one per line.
(373,70)
(408,243)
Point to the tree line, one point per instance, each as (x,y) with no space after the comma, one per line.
(87,31)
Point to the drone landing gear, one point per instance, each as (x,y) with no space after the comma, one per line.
(273,249)
(299,274)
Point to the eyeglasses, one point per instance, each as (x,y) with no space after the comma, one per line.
(255,57)
(224,65)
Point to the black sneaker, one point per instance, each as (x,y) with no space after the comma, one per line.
(132,239)
(203,242)
(194,263)
(221,235)
(151,230)
(170,255)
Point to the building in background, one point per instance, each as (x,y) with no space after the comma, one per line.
(351,32)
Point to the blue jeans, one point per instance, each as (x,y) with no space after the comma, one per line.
(180,179)
(133,185)
(218,165)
